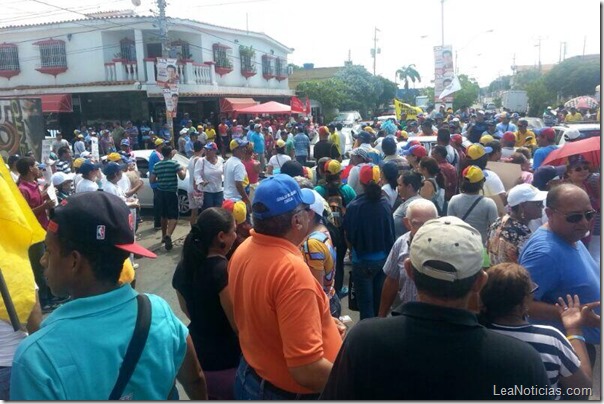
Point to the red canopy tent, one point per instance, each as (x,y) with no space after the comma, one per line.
(271,107)
(233,104)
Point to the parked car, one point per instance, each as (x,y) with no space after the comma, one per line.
(577,131)
(145,195)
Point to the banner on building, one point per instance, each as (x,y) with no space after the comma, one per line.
(297,105)
(167,72)
(21,127)
(402,108)
(443,72)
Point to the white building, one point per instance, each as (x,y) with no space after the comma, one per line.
(102,68)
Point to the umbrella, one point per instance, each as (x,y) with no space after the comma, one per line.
(589,148)
(583,102)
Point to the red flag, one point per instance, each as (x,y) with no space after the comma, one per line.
(307,106)
(296,105)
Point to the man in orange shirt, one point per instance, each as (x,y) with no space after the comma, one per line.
(287,335)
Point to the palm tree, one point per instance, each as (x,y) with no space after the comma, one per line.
(407,73)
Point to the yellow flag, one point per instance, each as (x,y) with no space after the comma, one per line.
(410,110)
(19,229)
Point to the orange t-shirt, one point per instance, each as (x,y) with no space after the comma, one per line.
(280,309)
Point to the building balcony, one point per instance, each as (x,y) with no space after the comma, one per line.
(189,72)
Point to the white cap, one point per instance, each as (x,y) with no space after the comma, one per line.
(525,193)
(60,177)
(184,131)
(318,205)
(85,154)
(451,241)
(572,134)
(480,111)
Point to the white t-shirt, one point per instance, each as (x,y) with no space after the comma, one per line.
(492,184)
(277,162)
(124,184)
(111,188)
(507,152)
(76,180)
(193,173)
(85,185)
(211,173)
(234,170)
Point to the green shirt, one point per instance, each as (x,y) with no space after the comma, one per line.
(166,173)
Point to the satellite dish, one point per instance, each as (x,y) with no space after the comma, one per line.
(136,2)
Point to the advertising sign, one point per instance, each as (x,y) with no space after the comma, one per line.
(21,127)
(443,71)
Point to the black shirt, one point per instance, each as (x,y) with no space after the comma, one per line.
(325,149)
(216,343)
(432,353)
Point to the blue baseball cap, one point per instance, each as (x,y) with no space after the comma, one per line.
(280,194)
(112,168)
(88,166)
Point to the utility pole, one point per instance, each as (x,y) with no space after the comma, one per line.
(442,22)
(375,51)
(539,45)
(163,28)
(584,43)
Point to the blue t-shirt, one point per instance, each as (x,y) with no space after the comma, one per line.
(560,268)
(258,140)
(540,155)
(301,144)
(506,127)
(154,157)
(78,351)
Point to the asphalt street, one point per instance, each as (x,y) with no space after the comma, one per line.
(155,276)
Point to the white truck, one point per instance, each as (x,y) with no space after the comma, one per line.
(515,101)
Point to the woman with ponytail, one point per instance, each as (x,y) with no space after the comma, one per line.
(433,187)
(201,282)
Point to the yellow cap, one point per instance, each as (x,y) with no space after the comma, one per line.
(239,212)
(280,143)
(77,163)
(114,156)
(485,139)
(159,141)
(473,174)
(476,151)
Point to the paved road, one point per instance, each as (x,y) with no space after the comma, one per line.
(155,276)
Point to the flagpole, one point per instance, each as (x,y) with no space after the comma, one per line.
(8,302)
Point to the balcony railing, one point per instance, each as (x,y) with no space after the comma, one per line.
(121,70)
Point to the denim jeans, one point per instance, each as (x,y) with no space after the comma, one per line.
(249,387)
(212,200)
(368,278)
(5,383)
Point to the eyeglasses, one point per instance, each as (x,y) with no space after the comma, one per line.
(578,169)
(577,217)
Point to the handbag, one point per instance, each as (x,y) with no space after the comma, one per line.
(135,347)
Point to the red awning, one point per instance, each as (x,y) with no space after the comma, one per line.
(271,107)
(55,102)
(233,104)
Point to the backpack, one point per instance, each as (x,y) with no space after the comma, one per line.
(438,198)
(337,205)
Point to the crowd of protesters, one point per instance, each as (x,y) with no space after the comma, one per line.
(446,264)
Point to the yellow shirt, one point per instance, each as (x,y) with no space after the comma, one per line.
(334,138)
(521,139)
(576,117)
(211,134)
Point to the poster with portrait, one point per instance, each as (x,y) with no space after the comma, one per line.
(443,71)
(171,100)
(21,127)
(167,73)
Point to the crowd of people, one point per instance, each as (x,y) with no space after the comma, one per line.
(446,265)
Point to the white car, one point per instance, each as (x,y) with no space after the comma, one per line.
(145,195)
(577,131)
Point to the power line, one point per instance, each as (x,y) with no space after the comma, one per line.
(28,15)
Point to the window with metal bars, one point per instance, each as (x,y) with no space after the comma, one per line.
(9,57)
(222,56)
(127,49)
(53,54)
(280,67)
(267,66)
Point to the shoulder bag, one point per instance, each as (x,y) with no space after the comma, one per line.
(135,347)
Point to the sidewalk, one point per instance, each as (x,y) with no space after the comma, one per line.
(151,239)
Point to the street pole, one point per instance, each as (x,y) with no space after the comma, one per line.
(442,22)
(165,52)
(374,48)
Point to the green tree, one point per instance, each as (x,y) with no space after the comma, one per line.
(388,92)
(407,73)
(524,78)
(540,96)
(468,94)
(362,89)
(330,93)
(574,76)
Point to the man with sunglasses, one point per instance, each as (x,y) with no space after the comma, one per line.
(561,265)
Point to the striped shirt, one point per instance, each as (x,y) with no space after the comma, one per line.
(63,166)
(166,173)
(558,355)
(394,269)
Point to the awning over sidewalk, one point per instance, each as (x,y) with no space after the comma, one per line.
(55,102)
(234,104)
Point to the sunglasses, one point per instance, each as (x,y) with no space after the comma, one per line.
(578,169)
(577,217)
